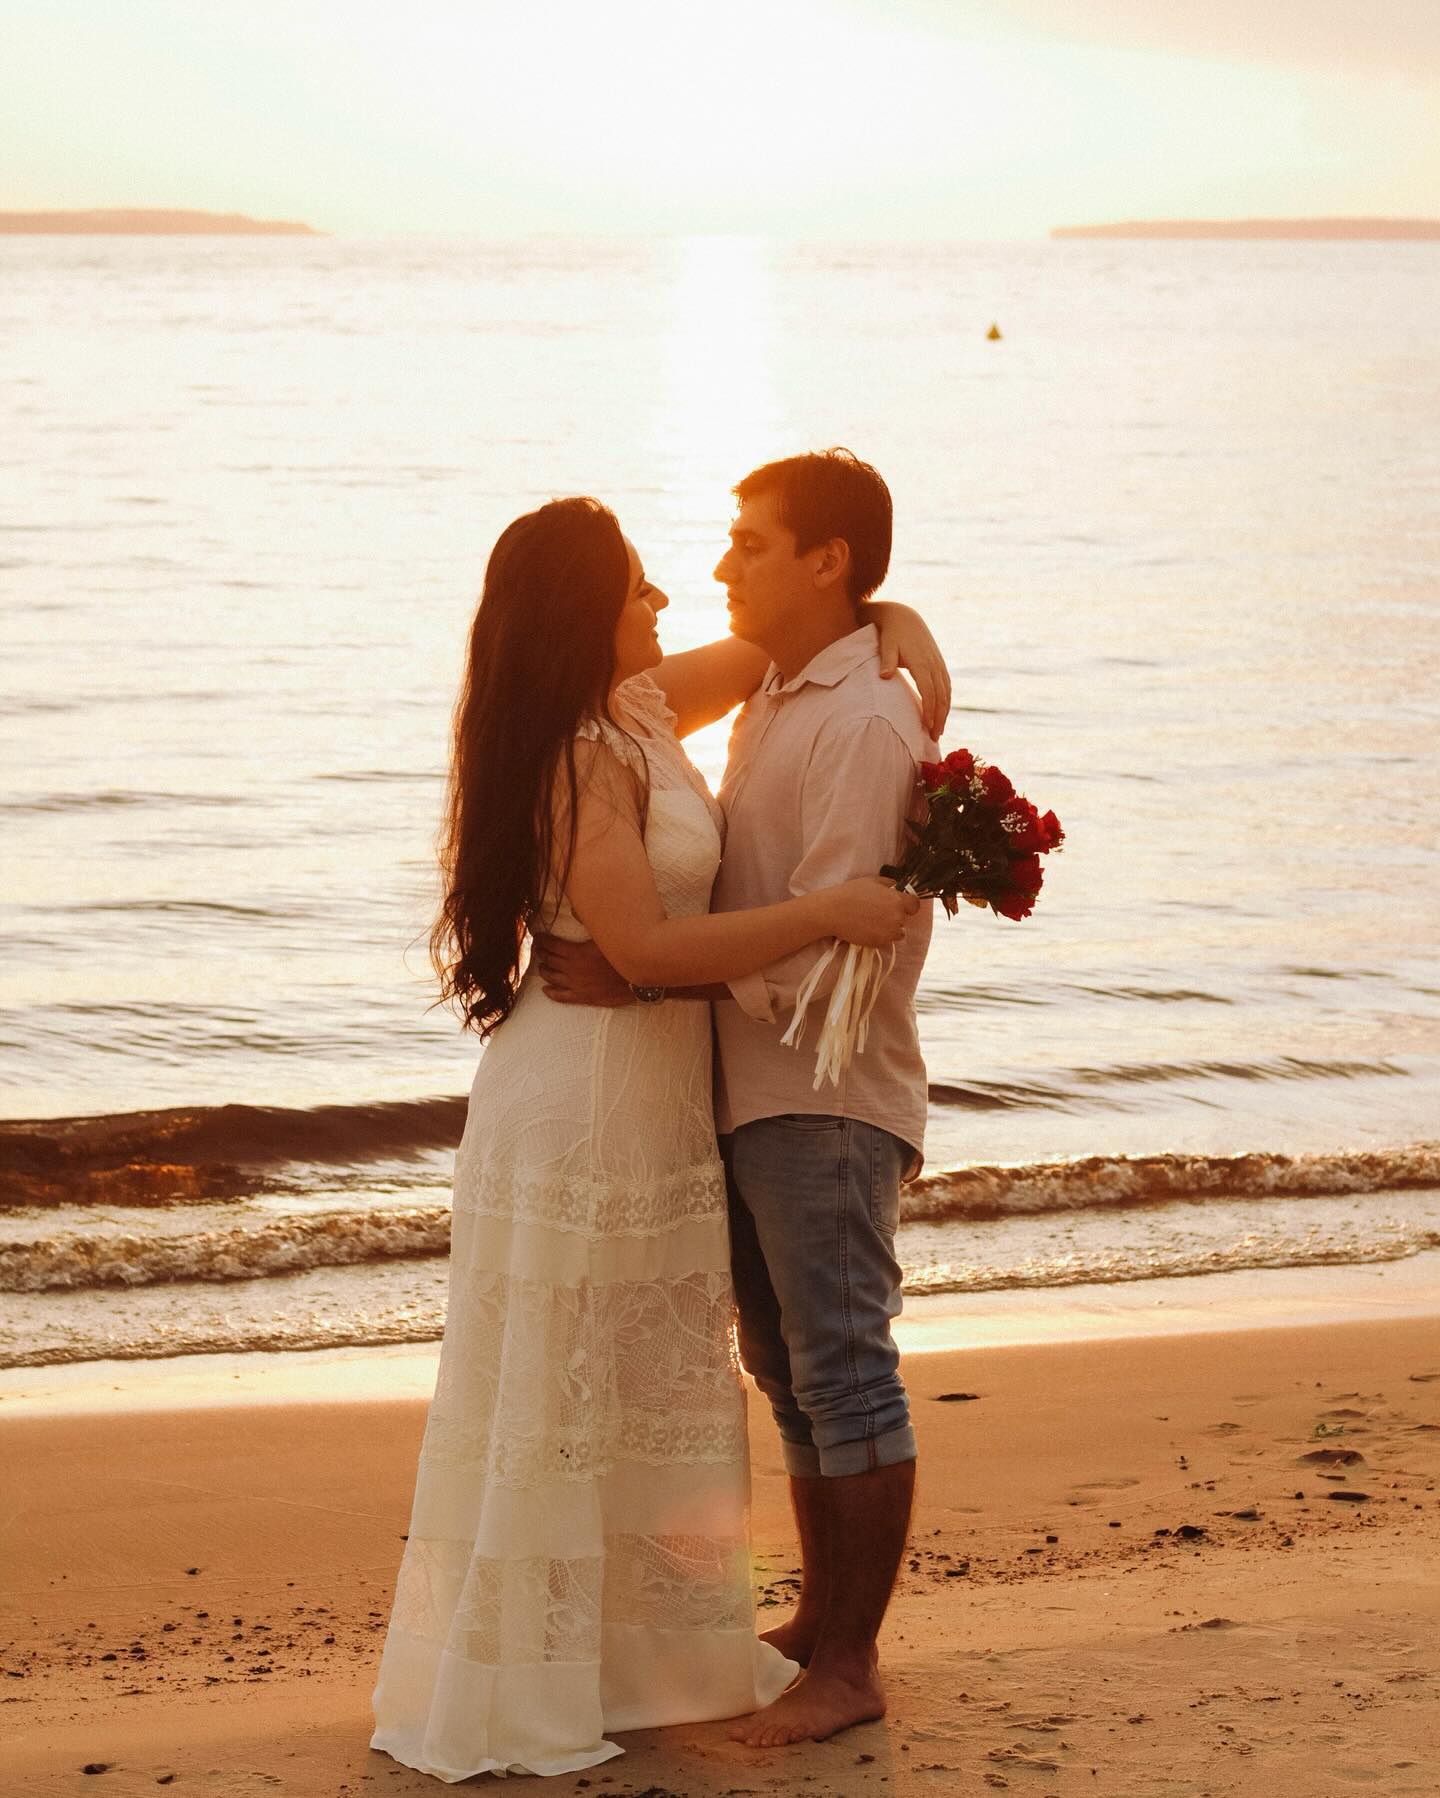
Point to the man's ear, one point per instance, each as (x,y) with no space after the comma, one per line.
(832,567)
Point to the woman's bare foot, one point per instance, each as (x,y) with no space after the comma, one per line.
(794,1638)
(818,1705)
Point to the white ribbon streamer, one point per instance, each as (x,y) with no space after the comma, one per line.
(847,1017)
(795,1035)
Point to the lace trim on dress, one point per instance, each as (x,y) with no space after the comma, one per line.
(615,739)
(564,1382)
(593,1205)
(639,710)
(643,699)
(540,1609)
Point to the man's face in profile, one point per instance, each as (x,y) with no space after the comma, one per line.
(765,582)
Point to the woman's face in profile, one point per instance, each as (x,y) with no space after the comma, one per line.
(636,645)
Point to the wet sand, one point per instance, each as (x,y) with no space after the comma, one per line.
(1183,1565)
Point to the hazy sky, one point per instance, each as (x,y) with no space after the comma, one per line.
(946,118)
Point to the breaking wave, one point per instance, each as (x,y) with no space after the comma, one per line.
(1119,1180)
(276,1244)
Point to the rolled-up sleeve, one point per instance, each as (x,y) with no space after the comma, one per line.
(858,786)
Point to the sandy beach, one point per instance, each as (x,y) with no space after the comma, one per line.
(1187,1564)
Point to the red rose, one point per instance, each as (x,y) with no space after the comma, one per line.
(1015,904)
(1021,824)
(996,786)
(959,765)
(1054,836)
(933,776)
(1026,873)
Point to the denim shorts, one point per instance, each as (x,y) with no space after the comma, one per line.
(814,1202)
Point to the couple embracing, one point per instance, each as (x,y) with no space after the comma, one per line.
(578,1559)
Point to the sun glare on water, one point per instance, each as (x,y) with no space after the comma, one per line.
(719,403)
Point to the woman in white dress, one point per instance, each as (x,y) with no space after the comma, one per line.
(578,1557)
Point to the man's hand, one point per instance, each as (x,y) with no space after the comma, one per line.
(578,974)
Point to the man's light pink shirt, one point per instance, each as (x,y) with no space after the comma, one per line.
(821,775)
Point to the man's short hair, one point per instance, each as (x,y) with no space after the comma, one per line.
(828,494)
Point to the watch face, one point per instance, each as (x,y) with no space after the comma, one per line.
(648,995)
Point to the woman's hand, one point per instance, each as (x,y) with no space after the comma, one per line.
(869,911)
(906,642)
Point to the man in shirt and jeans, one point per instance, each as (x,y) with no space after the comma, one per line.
(821,775)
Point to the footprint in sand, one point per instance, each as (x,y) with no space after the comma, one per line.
(1050,1724)
(1089,1491)
(1022,1756)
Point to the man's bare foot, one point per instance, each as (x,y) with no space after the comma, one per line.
(818,1705)
(794,1638)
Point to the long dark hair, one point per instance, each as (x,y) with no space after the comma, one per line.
(541,658)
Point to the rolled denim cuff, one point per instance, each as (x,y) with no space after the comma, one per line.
(841,1459)
(802,1459)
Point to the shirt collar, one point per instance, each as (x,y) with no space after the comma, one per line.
(831,665)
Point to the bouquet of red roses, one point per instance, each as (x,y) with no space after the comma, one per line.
(980,841)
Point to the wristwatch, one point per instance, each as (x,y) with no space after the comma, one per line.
(648,995)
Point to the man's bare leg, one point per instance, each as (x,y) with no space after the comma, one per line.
(866,1518)
(797,1636)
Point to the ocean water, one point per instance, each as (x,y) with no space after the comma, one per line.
(1178,532)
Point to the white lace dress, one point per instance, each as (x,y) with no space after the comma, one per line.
(578,1558)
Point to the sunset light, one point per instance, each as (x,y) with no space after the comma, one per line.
(719,988)
(812,117)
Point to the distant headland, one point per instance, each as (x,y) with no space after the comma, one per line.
(1313,230)
(147,222)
